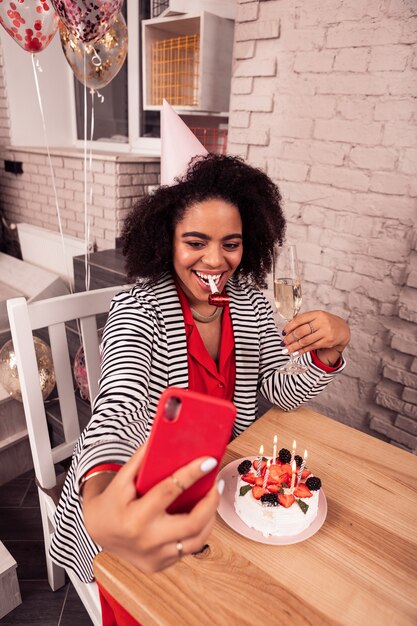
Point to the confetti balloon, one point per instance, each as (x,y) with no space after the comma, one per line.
(31,23)
(103,58)
(80,372)
(9,376)
(87,20)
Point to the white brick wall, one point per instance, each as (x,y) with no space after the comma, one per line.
(338,95)
(117,183)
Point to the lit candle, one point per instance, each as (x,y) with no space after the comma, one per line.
(261,453)
(268,463)
(294,446)
(293,474)
(303,464)
(274,456)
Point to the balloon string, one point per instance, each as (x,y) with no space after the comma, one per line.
(91,145)
(86,181)
(36,67)
(91,172)
(96,59)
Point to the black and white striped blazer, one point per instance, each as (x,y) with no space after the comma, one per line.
(145,351)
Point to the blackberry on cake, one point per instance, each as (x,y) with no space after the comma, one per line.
(270,499)
(244,467)
(284,455)
(298,459)
(313,483)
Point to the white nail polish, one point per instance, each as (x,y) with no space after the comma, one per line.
(296,353)
(285,351)
(220,486)
(208,465)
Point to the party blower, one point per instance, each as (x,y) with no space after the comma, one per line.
(216,298)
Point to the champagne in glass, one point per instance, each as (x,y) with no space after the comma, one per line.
(287,294)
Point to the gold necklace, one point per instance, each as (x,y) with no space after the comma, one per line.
(206,319)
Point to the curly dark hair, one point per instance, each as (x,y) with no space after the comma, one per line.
(148,231)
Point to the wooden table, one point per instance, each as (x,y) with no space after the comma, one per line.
(360,568)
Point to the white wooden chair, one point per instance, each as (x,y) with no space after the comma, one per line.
(53,314)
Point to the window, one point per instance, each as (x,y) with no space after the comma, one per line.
(125,117)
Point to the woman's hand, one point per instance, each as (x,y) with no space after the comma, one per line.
(317,330)
(139,529)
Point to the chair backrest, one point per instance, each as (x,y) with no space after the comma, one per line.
(54,315)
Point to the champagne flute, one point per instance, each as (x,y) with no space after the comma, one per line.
(287,294)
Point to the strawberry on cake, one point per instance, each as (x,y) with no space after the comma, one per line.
(273,506)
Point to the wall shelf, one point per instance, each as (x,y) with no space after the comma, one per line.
(193,78)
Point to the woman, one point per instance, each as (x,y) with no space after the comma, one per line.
(221,220)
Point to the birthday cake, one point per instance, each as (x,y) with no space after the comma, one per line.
(279,499)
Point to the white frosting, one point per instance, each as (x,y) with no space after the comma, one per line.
(274,520)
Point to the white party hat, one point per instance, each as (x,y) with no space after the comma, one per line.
(178,145)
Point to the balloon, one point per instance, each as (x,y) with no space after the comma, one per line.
(9,376)
(103,59)
(80,372)
(31,23)
(87,20)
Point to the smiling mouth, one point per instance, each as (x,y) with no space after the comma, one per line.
(204,277)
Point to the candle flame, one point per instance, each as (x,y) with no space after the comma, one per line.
(275,439)
(261,450)
(305,455)
(294,444)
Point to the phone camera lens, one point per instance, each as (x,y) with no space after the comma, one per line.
(172,408)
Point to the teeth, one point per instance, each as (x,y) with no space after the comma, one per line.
(204,277)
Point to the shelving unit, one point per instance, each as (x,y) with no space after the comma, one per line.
(193,72)
(10,596)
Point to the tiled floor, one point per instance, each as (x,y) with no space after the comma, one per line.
(21,533)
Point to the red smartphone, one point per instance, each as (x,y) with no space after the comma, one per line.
(187,425)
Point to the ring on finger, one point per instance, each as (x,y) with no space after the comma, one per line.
(177,483)
(311,327)
(180,550)
(201,550)
(295,336)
